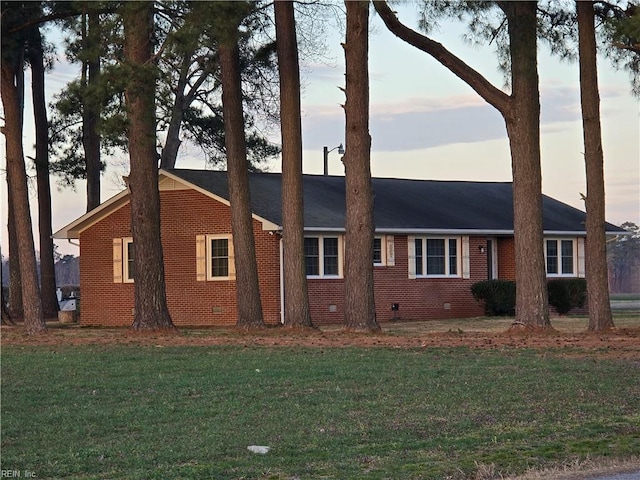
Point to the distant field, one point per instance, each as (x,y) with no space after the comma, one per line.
(151,410)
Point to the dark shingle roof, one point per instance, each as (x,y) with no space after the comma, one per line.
(399,205)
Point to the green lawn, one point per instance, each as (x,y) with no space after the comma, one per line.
(625,296)
(190,412)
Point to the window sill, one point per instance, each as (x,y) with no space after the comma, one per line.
(438,276)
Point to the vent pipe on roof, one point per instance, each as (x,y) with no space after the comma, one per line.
(326,151)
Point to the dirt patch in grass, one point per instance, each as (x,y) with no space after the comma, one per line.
(569,336)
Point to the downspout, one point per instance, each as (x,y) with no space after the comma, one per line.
(281,281)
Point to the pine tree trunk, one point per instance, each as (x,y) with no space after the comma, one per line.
(360,311)
(91,115)
(17,178)
(297,312)
(173,142)
(523,128)
(15,284)
(151,312)
(600,318)
(47,267)
(247,285)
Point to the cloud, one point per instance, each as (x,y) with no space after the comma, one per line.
(433,128)
(424,122)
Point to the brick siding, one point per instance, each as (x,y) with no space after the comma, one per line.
(506,258)
(188,213)
(184,214)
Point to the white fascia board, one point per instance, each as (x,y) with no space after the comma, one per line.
(582,233)
(267,225)
(417,231)
(439,231)
(442,231)
(564,233)
(323,229)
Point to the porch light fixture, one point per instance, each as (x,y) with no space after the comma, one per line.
(481,248)
(326,151)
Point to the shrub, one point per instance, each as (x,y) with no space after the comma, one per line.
(566,294)
(499,296)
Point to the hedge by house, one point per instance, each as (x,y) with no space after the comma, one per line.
(499,296)
(566,294)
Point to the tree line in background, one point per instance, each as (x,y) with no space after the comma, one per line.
(218,72)
(67,268)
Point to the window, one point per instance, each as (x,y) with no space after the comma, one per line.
(129,251)
(437,257)
(312,256)
(219,248)
(383,251)
(323,256)
(377,251)
(330,255)
(219,257)
(419,270)
(560,257)
(214,258)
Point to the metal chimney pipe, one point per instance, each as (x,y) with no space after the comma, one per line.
(325,151)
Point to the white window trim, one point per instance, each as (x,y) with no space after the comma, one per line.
(383,251)
(321,256)
(126,241)
(574,255)
(460,271)
(232,266)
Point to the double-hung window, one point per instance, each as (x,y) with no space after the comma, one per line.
(437,257)
(560,257)
(323,256)
(378,251)
(218,257)
(384,254)
(128,256)
(214,257)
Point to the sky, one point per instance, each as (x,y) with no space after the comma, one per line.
(425,123)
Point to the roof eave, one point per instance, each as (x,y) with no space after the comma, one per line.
(73,229)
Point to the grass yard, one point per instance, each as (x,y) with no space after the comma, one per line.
(109,411)
(625,296)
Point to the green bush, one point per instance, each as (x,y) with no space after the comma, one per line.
(566,294)
(499,296)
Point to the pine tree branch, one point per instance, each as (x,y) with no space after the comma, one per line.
(492,95)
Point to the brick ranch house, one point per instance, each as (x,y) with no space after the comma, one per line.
(433,240)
